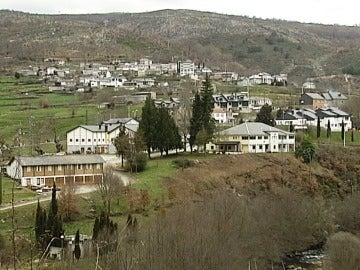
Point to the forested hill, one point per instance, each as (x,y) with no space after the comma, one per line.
(244,44)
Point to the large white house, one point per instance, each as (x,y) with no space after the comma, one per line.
(99,138)
(253,137)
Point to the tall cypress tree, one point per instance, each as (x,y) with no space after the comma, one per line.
(328,130)
(343,131)
(318,128)
(195,121)
(147,124)
(77,250)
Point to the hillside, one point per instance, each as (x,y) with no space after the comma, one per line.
(251,175)
(242,44)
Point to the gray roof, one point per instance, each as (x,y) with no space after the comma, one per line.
(101,128)
(252,128)
(314,95)
(117,121)
(60,160)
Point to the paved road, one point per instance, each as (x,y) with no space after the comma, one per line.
(46,196)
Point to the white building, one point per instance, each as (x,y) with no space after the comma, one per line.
(302,118)
(186,68)
(220,115)
(99,138)
(253,137)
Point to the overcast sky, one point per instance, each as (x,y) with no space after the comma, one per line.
(345,12)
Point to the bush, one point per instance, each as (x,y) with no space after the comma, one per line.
(138,164)
(183,163)
(343,251)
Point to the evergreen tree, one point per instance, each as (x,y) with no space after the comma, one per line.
(207,104)
(96,228)
(167,133)
(147,124)
(77,250)
(343,131)
(54,221)
(279,114)
(195,121)
(201,114)
(328,130)
(352,135)
(265,116)
(122,144)
(306,150)
(318,128)
(291,128)
(39,224)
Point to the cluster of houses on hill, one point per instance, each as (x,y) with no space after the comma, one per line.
(117,74)
(83,164)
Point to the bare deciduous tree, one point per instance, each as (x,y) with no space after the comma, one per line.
(110,187)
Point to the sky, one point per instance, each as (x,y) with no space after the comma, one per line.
(342,12)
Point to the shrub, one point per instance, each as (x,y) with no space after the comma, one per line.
(342,250)
(138,163)
(183,163)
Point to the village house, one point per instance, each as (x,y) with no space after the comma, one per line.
(186,68)
(236,102)
(302,118)
(312,101)
(253,137)
(99,139)
(221,116)
(334,98)
(43,171)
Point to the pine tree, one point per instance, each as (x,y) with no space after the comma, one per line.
(77,250)
(265,115)
(201,115)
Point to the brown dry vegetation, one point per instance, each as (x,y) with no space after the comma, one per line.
(251,175)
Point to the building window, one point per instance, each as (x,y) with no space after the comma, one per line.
(28,169)
(79,166)
(260,147)
(89,140)
(70,140)
(252,137)
(59,167)
(253,147)
(83,140)
(98,166)
(38,168)
(245,137)
(49,168)
(38,181)
(76,140)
